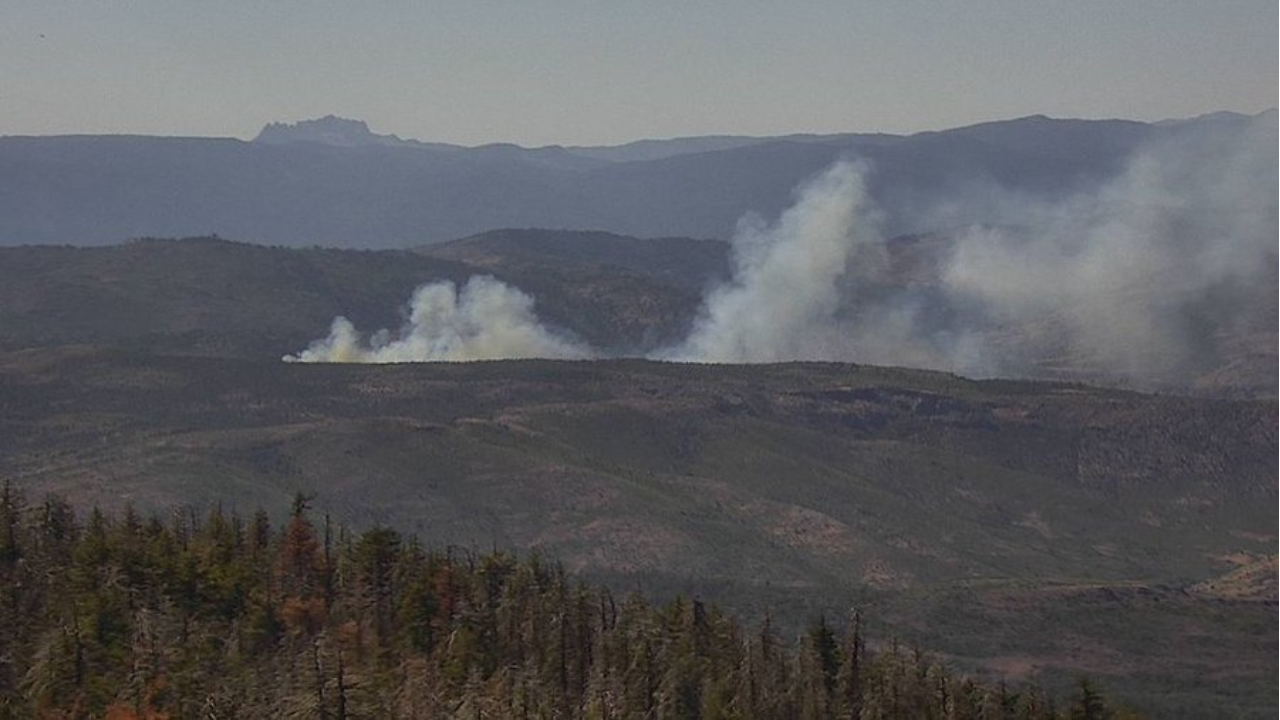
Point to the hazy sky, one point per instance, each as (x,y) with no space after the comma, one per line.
(578,71)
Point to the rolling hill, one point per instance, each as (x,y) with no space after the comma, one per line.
(623,296)
(215,297)
(951,508)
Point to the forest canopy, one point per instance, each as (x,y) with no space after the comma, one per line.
(220,616)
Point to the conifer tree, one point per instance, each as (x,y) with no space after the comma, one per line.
(210,616)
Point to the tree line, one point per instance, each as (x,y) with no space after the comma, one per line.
(222,616)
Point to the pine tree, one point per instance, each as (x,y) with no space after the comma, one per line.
(15,593)
(848,704)
(1088,704)
(209,616)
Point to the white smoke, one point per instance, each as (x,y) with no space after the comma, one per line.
(782,301)
(780,305)
(485,320)
(1150,278)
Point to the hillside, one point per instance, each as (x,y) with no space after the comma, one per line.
(625,295)
(225,615)
(621,295)
(814,485)
(683,263)
(965,515)
(213,297)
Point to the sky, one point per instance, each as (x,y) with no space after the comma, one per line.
(571,72)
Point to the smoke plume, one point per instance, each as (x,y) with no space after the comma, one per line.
(1163,274)
(1160,275)
(485,320)
(782,301)
(1147,278)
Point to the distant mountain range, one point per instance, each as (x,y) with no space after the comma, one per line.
(333,182)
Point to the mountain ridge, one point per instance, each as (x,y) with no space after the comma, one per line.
(100,189)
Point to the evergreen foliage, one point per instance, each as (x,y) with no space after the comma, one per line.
(214,617)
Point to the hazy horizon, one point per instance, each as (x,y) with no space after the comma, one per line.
(566,73)
(405,136)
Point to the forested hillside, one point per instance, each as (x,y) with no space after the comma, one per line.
(223,616)
(965,516)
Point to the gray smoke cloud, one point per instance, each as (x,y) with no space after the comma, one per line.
(1146,279)
(485,320)
(1159,275)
